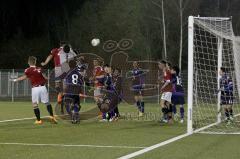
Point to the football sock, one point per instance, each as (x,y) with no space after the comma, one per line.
(182,111)
(138,105)
(49,109)
(37,113)
(142,107)
(164,111)
(226,113)
(230,112)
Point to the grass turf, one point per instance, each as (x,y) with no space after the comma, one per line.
(121,133)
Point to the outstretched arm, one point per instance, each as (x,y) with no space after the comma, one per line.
(20,78)
(47,60)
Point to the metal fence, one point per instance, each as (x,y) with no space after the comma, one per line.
(10,91)
(14,91)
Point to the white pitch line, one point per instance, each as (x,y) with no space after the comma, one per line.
(67,145)
(137,153)
(20,119)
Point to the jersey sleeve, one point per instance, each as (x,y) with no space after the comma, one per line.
(168,77)
(54,52)
(26,72)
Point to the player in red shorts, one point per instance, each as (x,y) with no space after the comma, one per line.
(39,90)
(61,56)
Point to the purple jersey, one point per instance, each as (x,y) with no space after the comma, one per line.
(73,82)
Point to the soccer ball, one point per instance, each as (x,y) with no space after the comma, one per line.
(95,42)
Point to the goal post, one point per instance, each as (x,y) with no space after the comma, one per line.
(190,73)
(211,45)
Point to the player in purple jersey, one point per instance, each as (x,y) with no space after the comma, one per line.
(226,88)
(72,87)
(178,93)
(137,87)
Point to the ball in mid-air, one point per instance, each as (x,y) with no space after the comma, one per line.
(95,42)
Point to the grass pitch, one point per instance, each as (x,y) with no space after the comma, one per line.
(92,139)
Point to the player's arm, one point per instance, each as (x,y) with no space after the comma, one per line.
(48,59)
(44,76)
(165,84)
(20,78)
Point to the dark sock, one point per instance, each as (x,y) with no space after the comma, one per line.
(174,109)
(138,105)
(165,112)
(116,111)
(182,112)
(49,109)
(37,113)
(231,112)
(227,114)
(142,107)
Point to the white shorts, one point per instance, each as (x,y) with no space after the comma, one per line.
(167,96)
(97,92)
(40,94)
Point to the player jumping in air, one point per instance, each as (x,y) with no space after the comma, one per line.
(39,90)
(166,91)
(60,56)
(137,87)
(226,88)
(72,87)
(178,93)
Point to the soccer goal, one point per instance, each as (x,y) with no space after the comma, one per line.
(211,45)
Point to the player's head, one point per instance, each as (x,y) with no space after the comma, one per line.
(168,65)
(72,64)
(135,64)
(66,48)
(175,70)
(222,71)
(117,72)
(107,68)
(32,60)
(162,64)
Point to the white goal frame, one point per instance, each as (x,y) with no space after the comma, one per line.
(190,96)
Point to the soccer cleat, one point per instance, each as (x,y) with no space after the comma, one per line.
(38,122)
(140,114)
(163,121)
(103,120)
(53,120)
(181,121)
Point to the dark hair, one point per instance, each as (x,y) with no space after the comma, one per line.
(223,69)
(175,68)
(66,48)
(163,62)
(106,65)
(169,64)
(72,64)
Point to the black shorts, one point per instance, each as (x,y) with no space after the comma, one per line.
(226,98)
(75,99)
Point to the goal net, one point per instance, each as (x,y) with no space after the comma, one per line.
(212,45)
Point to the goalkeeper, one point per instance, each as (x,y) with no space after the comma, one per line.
(226,88)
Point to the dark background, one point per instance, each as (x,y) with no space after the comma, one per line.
(34,27)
